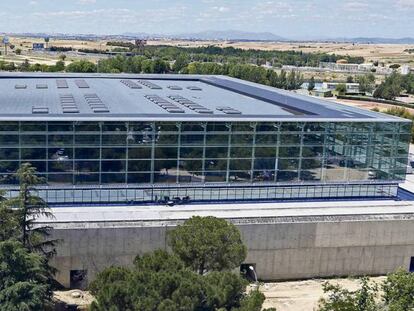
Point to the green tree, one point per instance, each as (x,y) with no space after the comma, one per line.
(29,207)
(311,85)
(350,79)
(160,281)
(398,291)
(18,51)
(24,279)
(366,83)
(208,244)
(59,66)
(81,66)
(340,299)
(390,88)
(341,89)
(180,63)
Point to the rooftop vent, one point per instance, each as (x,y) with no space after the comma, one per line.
(131,84)
(228,110)
(175,87)
(190,104)
(68,104)
(95,103)
(20,86)
(194,88)
(40,110)
(41,86)
(165,104)
(149,84)
(81,84)
(62,84)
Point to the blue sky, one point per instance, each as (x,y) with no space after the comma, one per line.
(288,18)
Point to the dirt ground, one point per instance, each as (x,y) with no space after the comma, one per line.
(302,295)
(387,53)
(83,301)
(284,296)
(367,104)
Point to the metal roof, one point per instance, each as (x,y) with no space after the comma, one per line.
(125,97)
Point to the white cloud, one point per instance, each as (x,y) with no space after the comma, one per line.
(405,4)
(87,1)
(221,8)
(355,6)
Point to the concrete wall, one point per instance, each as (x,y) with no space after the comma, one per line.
(281,250)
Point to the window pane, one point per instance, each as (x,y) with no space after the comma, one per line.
(87,153)
(139,166)
(60,153)
(139,178)
(192,139)
(113,166)
(114,139)
(113,153)
(216,152)
(191,153)
(60,140)
(60,127)
(87,166)
(166,152)
(139,153)
(60,166)
(113,178)
(242,139)
(86,179)
(33,140)
(33,154)
(88,139)
(9,153)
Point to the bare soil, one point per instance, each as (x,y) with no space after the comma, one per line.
(302,295)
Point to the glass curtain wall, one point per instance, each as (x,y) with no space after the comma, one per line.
(92,153)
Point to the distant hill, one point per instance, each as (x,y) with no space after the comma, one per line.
(230,35)
(375,40)
(234,35)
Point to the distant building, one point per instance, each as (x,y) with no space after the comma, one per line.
(350,87)
(405,69)
(321,93)
(340,66)
(38,46)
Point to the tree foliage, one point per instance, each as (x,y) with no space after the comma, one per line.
(341,88)
(29,207)
(366,83)
(390,88)
(81,66)
(398,291)
(170,282)
(397,295)
(340,299)
(311,85)
(25,275)
(160,281)
(208,244)
(24,279)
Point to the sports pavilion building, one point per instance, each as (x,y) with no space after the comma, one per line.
(146,138)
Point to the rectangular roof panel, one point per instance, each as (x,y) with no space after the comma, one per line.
(201,98)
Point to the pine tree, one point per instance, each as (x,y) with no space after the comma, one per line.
(29,207)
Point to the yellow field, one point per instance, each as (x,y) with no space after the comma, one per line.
(387,53)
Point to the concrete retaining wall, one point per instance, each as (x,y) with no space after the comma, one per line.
(280,250)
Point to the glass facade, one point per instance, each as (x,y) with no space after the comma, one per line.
(202,154)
